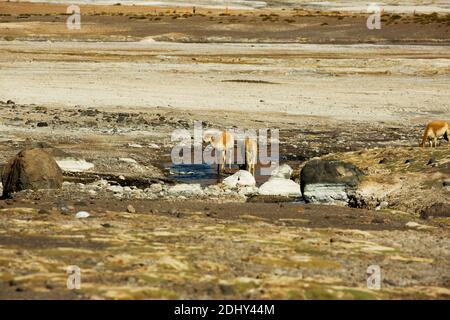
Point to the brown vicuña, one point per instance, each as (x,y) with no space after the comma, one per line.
(433,131)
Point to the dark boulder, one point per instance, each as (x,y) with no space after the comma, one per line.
(31,169)
(326,181)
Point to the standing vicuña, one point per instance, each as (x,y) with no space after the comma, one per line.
(222,142)
(251,155)
(433,131)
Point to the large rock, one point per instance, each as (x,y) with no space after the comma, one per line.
(240,178)
(280,187)
(326,181)
(31,169)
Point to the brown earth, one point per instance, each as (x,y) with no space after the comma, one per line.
(131,23)
(116,104)
(207,249)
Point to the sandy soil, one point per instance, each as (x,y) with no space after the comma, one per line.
(362,82)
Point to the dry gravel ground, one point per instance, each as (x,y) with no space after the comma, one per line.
(263,251)
(205,248)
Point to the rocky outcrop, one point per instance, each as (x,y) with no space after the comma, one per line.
(327,181)
(31,169)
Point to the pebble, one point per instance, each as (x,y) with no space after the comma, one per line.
(62,208)
(131,209)
(115,189)
(155,188)
(43,211)
(382,205)
(82,214)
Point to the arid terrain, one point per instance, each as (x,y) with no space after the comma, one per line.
(105,100)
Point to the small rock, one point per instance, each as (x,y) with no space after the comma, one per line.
(128,160)
(382,205)
(240,178)
(42,124)
(131,209)
(185,189)
(62,208)
(226,289)
(280,187)
(153,146)
(106,225)
(74,165)
(248,190)
(49,286)
(418,226)
(115,189)
(283,171)
(43,211)
(377,220)
(156,188)
(82,215)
